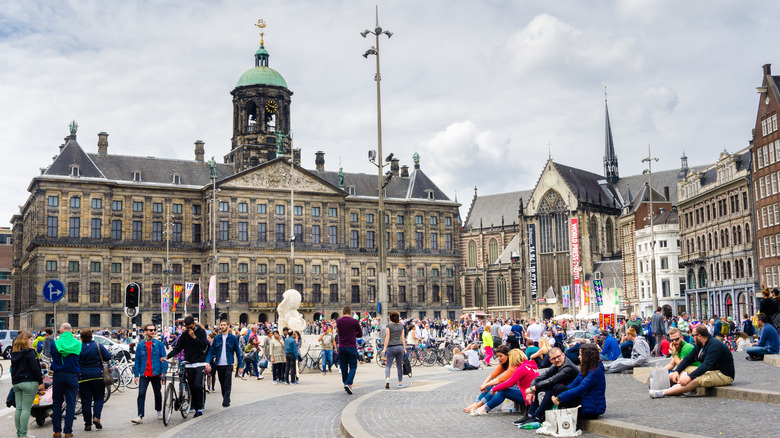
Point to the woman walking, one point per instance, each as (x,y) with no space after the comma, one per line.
(26,378)
(487,343)
(394,348)
(91,386)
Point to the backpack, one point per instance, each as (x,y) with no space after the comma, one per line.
(724,329)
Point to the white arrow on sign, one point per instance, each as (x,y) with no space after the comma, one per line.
(54,293)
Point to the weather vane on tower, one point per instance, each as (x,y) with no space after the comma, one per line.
(261,24)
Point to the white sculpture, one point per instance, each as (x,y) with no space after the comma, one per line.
(288,311)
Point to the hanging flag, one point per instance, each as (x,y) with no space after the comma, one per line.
(599,288)
(177,288)
(200,295)
(565,295)
(165,296)
(576,295)
(213,291)
(188,289)
(617,298)
(586,293)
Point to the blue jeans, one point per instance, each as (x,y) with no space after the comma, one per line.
(143,385)
(327,360)
(758,351)
(348,359)
(65,386)
(485,397)
(514,394)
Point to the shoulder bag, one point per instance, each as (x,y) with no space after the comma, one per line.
(108,379)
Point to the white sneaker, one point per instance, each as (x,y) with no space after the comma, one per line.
(159,415)
(137,420)
(260,378)
(656,393)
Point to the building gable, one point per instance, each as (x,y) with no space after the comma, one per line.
(275,175)
(551,179)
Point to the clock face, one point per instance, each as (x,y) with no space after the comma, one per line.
(550,180)
(271,107)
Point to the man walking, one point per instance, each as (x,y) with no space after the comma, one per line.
(148,369)
(195,344)
(348,330)
(65,355)
(222,350)
(657,326)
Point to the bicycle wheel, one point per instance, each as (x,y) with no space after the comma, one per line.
(447,356)
(168,399)
(106,394)
(381,359)
(117,386)
(414,357)
(78,404)
(185,400)
(301,365)
(127,377)
(429,357)
(1,370)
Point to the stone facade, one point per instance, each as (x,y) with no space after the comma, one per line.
(98,221)
(716,232)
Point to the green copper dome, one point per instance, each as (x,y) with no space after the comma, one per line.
(261,74)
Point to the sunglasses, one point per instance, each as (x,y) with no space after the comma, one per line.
(676,340)
(151,330)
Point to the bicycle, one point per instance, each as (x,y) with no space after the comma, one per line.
(176,400)
(310,360)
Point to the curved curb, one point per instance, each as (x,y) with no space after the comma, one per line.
(348,423)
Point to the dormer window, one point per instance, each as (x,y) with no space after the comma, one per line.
(351,190)
(176,179)
(74,170)
(430,195)
(136,176)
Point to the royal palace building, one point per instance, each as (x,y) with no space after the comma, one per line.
(259,221)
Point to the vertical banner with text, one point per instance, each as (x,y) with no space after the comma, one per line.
(599,288)
(565,295)
(575,259)
(165,293)
(213,291)
(586,293)
(532,259)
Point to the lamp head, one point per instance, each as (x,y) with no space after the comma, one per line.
(365,32)
(389,157)
(372,155)
(388,33)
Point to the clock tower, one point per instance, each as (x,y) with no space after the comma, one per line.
(261,114)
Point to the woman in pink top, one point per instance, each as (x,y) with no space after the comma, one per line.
(514,388)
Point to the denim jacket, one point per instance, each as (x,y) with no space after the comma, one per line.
(231,348)
(158,351)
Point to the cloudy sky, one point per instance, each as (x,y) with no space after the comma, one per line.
(478,88)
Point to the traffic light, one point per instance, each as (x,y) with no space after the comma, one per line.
(132,295)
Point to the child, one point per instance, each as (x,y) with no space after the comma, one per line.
(743,342)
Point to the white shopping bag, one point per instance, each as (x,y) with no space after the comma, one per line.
(508,405)
(560,422)
(659,379)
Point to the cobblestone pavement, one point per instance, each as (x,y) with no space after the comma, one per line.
(430,405)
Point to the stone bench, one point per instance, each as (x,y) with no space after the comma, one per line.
(772,359)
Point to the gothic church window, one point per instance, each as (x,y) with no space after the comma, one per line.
(593,229)
(553,223)
(493,251)
(472,254)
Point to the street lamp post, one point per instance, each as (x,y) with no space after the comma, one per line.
(382,180)
(654,293)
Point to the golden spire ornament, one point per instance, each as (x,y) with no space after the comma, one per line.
(261,25)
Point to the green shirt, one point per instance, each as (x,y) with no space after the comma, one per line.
(686,350)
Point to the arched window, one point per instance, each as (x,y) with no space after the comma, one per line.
(747,233)
(479,298)
(608,230)
(738,237)
(702,277)
(691,279)
(750,267)
(593,230)
(493,251)
(501,291)
(709,241)
(734,235)
(472,254)
(553,223)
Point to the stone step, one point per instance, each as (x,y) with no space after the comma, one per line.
(772,359)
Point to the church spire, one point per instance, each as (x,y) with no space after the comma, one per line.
(610,159)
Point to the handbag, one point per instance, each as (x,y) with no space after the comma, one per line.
(108,379)
(560,422)
(263,363)
(407,367)
(11,399)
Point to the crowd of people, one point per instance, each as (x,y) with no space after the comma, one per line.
(537,364)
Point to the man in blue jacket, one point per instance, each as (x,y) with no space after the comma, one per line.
(611,348)
(222,350)
(768,342)
(65,355)
(147,369)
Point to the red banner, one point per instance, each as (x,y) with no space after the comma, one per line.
(177,289)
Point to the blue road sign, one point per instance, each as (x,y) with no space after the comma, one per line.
(53,291)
